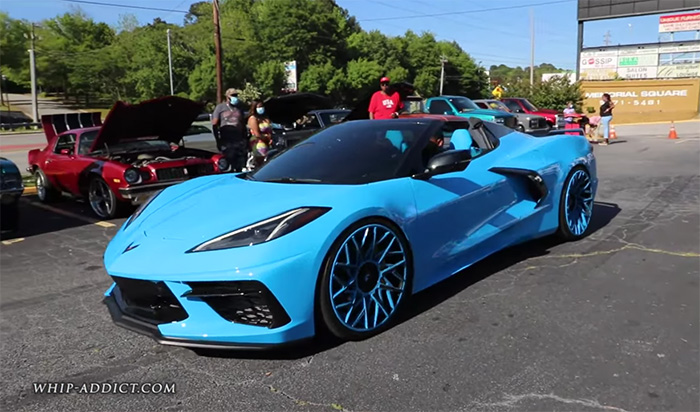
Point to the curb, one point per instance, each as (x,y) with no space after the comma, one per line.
(28,191)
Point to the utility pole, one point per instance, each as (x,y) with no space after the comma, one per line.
(170,64)
(443,60)
(532,47)
(607,38)
(32,68)
(217,45)
(2,98)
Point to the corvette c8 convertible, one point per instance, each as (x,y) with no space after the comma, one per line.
(337,232)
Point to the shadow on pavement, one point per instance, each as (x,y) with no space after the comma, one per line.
(35,220)
(603,214)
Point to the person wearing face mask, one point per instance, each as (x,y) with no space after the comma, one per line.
(570,116)
(261,132)
(229,130)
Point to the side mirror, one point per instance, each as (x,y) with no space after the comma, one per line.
(446,162)
(65,152)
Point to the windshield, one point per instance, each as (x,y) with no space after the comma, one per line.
(529,106)
(462,104)
(356,152)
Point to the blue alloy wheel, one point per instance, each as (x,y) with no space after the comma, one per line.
(366,280)
(578,204)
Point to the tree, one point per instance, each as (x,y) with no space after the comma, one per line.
(270,77)
(14,60)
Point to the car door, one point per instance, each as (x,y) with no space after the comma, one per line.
(453,212)
(58,161)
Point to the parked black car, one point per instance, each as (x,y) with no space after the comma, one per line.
(11,189)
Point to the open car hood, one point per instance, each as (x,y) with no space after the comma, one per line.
(288,108)
(167,118)
(55,124)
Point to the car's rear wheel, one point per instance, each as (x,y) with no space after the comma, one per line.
(366,280)
(103,201)
(44,190)
(576,204)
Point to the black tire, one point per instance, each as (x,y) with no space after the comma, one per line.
(564,231)
(520,128)
(103,201)
(44,189)
(327,316)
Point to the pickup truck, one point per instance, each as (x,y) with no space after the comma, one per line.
(554,118)
(463,107)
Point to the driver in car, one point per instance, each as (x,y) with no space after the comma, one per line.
(434,146)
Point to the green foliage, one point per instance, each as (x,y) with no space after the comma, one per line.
(250,93)
(84,59)
(270,78)
(552,94)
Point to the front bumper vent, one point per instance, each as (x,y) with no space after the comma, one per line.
(245,302)
(151,302)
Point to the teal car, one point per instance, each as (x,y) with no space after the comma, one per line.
(461,106)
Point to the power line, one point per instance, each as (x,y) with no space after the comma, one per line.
(467,11)
(124,6)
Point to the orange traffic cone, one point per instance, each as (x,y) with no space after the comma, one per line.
(672,133)
(613,135)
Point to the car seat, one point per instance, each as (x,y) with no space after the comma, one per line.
(396,138)
(462,140)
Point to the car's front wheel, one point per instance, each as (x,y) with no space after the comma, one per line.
(103,201)
(576,204)
(366,280)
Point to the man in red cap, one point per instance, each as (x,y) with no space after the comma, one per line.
(385,104)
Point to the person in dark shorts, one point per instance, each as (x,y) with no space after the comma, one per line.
(230,131)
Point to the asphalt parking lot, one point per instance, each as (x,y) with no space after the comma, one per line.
(609,323)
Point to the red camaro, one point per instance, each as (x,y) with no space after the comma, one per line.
(123,161)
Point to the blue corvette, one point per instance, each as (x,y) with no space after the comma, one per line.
(340,230)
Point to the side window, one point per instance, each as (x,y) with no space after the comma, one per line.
(513,106)
(66,141)
(439,107)
(482,105)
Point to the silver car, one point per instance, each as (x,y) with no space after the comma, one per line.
(527,123)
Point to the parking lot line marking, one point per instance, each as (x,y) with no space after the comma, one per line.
(70,214)
(11,241)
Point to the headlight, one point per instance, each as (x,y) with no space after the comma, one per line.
(500,120)
(132,176)
(223,164)
(141,208)
(264,231)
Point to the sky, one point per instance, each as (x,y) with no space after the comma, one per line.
(491,31)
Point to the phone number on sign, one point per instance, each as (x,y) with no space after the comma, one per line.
(54,388)
(638,102)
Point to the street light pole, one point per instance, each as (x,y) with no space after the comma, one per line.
(532,47)
(170,64)
(443,60)
(32,68)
